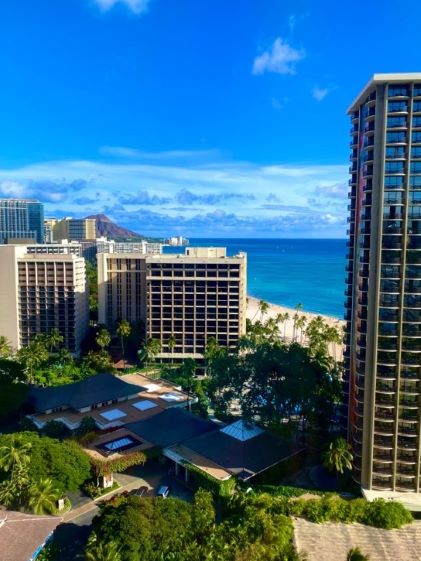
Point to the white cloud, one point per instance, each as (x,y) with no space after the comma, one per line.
(281,59)
(136,6)
(134,153)
(282,195)
(320,93)
(279,104)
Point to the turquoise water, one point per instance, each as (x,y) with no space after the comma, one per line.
(288,272)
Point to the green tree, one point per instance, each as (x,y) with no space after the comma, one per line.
(203,514)
(101,551)
(63,462)
(55,429)
(5,347)
(338,456)
(98,361)
(14,450)
(171,344)
(123,330)
(103,339)
(14,461)
(263,308)
(55,339)
(43,496)
(149,351)
(355,554)
(33,356)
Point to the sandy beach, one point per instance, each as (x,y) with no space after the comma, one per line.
(287,328)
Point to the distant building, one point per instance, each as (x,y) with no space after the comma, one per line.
(383,306)
(90,248)
(177,240)
(21,221)
(191,297)
(39,292)
(74,229)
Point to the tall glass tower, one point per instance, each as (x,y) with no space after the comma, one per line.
(383,295)
(21,219)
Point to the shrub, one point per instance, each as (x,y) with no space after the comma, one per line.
(87,438)
(355,554)
(386,514)
(87,425)
(55,429)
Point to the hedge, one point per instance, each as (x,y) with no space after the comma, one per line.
(284,490)
(331,508)
(119,464)
(218,488)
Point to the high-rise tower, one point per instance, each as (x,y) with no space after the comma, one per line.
(21,220)
(383,305)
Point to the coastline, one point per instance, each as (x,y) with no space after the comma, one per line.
(287,328)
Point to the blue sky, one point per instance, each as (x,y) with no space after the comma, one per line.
(203,118)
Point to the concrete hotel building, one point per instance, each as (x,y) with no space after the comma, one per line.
(73,229)
(190,297)
(21,220)
(383,306)
(39,292)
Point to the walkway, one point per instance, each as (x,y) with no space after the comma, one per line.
(127,482)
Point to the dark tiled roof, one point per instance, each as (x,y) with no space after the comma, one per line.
(170,427)
(244,459)
(22,534)
(95,389)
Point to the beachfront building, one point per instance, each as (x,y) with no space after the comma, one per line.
(383,305)
(21,221)
(40,291)
(183,300)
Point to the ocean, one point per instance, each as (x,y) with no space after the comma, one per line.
(288,272)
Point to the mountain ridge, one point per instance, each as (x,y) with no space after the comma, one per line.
(105,227)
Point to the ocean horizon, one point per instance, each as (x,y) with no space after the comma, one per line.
(288,272)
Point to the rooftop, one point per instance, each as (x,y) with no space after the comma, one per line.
(241,449)
(332,541)
(21,535)
(95,389)
(170,427)
(398,78)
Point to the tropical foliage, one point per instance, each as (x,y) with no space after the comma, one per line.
(338,456)
(151,529)
(64,463)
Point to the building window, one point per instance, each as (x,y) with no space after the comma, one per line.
(393,122)
(398,90)
(392,137)
(395,167)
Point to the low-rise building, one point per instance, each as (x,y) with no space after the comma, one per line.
(23,536)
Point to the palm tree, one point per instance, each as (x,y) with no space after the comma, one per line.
(14,452)
(5,347)
(123,330)
(54,338)
(150,350)
(338,457)
(100,551)
(103,338)
(355,554)
(171,343)
(32,357)
(300,324)
(263,308)
(43,496)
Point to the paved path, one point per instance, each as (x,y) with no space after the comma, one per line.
(127,482)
